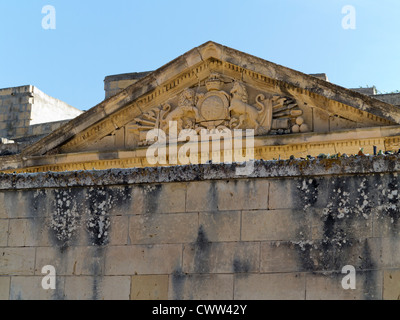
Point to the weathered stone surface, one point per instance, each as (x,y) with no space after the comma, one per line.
(3,212)
(328,286)
(119,230)
(277,286)
(71,260)
(233,257)
(197,193)
(278,195)
(97,288)
(30,288)
(274,225)
(244,194)
(142,259)
(151,287)
(280,256)
(3,232)
(160,198)
(227,195)
(391,285)
(17,261)
(200,287)
(28,233)
(163,228)
(201,250)
(221,226)
(262,169)
(4,288)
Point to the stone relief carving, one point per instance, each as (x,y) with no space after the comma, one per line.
(217,109)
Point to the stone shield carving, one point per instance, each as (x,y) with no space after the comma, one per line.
(218,109)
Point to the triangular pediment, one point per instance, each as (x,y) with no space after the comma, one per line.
(213,86)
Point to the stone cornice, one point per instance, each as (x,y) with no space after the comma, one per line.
(262,169)
(266,147)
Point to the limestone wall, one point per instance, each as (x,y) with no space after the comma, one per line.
(15,111)
(22,107)
(201,232)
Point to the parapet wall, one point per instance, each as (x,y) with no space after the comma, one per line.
(201,232)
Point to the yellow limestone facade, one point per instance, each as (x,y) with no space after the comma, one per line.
(217,88)
(148,230)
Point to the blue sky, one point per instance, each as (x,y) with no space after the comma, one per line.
(94,39)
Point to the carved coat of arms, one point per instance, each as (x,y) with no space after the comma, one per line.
(217,109)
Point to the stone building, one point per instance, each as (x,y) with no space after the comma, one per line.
(118,223)
(28,114)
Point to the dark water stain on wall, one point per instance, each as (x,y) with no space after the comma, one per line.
(240,266)
(97,272)
(178,283)
(370,280)
(152,195)
(202,248)
(212,196)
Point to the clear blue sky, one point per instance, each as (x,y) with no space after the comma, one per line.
(94,39)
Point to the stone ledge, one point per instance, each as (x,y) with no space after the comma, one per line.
(262,169)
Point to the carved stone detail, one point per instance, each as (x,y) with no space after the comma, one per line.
(216,109)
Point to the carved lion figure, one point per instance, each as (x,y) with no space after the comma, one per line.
(185,114)
(241,110)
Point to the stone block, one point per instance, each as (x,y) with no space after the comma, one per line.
(25,204)
(142,259)
(221,226)
(3,212)
(71,260)
(160,198)
(30,288)
(272,286)
(242,194)
(201,196)
(391,284)
(119,230)
(4,288)
(28,233)
(282,194)
(163,228)
(3,232)
(17,261)
(227,195)
(386,222)
(328,286)
(363,254)
(200,287)
(279,257)
(275,225)
(149,287)
(349,226)
(97,288)
(223,257)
